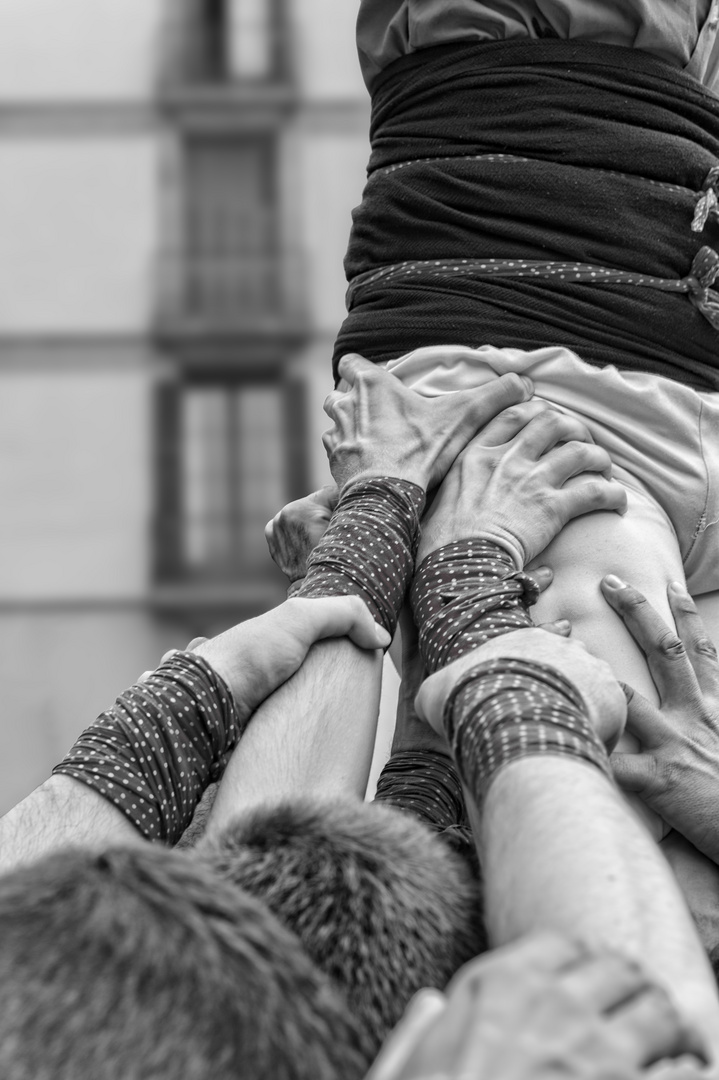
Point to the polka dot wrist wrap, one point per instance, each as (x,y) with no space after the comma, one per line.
(369,547)
(425,784)
(505,709)
(465,594)
(156,750)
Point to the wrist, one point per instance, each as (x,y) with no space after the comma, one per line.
(464,594)
(222,654)
(383,472)
(432,540)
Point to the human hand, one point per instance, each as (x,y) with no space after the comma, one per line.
(600,691)
(297,529)
(170,653)
(257,656)
(540,1008)
(382,428)
(510,484)
(676,772)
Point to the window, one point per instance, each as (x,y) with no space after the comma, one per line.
(250,39)
(236,41)
(231,260)
(231,454)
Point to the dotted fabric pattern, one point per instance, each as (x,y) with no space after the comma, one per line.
(370,546)
(697,284)
(426,784)
(506,709)
(464,594)
(155,751)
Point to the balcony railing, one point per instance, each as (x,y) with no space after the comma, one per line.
(253,294)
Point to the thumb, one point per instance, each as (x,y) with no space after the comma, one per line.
(634,772)
(327,497)
(477,407)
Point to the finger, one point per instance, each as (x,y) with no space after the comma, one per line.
(667,658)
(543,576)
(571,459)
(342,616)
(353,365)
(605,982)
(589,496)
(328,441)
(701,650)
(145,676)
(634,772)
(423,1010)
(561,627)
(195,643)
(331,402)
(510,422)
(168,655)
(475,408)
(327,497)
(548,429)
(644,720)
(546,952)
(651,1029)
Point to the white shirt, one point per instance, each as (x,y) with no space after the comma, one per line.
(682,32)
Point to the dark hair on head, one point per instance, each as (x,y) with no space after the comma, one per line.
(379,902)
(142,963)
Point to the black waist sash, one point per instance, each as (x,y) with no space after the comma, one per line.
(536,152)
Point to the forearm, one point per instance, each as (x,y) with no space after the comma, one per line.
(699,878)
(560,850)
(60,813)
(314,736)
(558,846)
(316,733)
(150,757)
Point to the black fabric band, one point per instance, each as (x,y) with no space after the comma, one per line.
(467,593)
(535,151)
(425,784)
(155,751)
(505,709)
(369,547)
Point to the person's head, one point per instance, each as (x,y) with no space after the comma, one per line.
(380,904)
(141,963)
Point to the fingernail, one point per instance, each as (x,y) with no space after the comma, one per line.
(528,383)
(614,582)
(562,624)
(677,588)
(383,637)
(540,573)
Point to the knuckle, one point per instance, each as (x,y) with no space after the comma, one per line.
(706,648)
(511,383)
(632,601)
(594,492)
(669,645)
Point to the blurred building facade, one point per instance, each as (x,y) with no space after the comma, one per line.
(176,179)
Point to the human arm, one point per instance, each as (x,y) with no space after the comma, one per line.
(317,733)
(251,659)
(541,1007)
(559,848)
